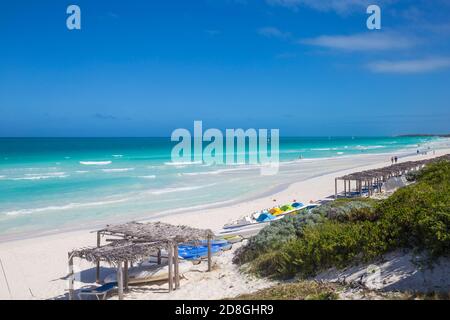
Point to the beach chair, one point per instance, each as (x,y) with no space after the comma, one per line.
(99,292)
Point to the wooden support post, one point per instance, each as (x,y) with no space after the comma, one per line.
(120,280)
(71,277)
(97,270)
(335,188)
(170,265)
(177,266)
(209,254)
(125,275)
(345,188)
(350,187)
(159,256)
(360,188)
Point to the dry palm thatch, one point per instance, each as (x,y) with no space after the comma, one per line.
(156,231)
(138,241)
(118,251)
(392,170)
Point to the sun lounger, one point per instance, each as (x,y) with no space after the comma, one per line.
(100,292)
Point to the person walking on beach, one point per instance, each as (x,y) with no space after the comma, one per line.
(395,159)
(392,160)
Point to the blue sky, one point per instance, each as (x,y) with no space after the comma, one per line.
(144,68)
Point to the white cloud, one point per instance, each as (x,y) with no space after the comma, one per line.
(272,32)
(339,6)
(371,41)
(410,66)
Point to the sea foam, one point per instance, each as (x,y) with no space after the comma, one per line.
(62,207)
(118,170)
(95,163)
(40,176)
(182,163)
(179,189)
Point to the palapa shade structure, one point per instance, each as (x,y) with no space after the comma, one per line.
(373,179)
(118,251)
(134,242)
(156,231)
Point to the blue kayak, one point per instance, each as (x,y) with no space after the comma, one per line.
(220,243)
(189,252)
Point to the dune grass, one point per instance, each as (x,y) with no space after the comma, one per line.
(304,290)
(312,290)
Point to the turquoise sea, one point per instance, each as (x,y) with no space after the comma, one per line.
(48,184)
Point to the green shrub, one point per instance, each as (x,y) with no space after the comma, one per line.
(349,231)
(275,235)
(349,210)
(331,244)
(418,216)
(289,228)
(412,176)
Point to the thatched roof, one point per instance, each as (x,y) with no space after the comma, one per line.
(138,241)
(393,169)
(157,231)
(118,251)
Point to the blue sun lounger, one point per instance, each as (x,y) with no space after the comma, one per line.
(100,292)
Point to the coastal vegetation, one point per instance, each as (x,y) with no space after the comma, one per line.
(350,231)
(302,290)
(313,290)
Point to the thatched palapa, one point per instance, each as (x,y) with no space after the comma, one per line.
(133,242)
(372,179)
(156,231)
(119,251)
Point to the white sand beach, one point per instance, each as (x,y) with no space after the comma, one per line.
(34,268)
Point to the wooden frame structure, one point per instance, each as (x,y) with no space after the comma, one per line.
(135,241)
(119,254)
(372,180)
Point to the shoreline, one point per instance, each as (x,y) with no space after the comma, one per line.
(34,266)
(269,192)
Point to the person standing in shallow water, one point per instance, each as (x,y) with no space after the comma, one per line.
(395,159)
